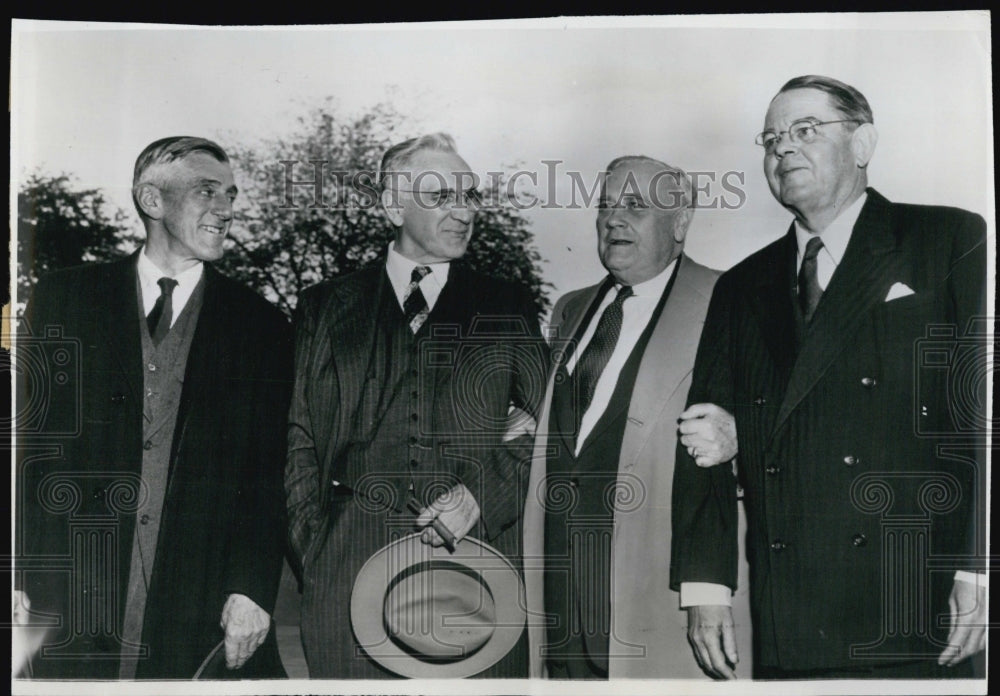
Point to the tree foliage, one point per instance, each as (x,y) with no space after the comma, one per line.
(307,210)
(60,226)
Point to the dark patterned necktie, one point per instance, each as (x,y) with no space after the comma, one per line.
(597,353)
(809,289)
(162,316)
(415,307)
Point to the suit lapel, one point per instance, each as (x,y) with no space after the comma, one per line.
(871,262)
(353,325)
(207,344)
(576,315)
(771,301)
(119,322)
(667,360)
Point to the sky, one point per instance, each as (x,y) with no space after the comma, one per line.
(691,91)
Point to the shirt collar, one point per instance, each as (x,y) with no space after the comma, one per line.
(655,286)
(837,234)
(149,273)
(400,269)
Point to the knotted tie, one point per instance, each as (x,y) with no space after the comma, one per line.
(415,307)
(809,289)
(597,353)
(162,316)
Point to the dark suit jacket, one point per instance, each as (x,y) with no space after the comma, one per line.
(223,525)
(335,326)
(858,456)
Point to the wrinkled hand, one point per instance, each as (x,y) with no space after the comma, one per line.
(709,433)
(518,423)
(967,636)
(456,509)
(246,626)
(710,632)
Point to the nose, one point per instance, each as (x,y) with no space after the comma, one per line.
(784,145)
(463,211)
(613,217)
(223,208)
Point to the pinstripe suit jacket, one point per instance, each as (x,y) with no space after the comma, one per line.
(858,463)
(335,325)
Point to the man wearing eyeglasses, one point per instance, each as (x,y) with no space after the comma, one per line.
(405,374)
(840,350)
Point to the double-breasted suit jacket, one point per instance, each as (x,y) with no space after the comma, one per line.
(222,527)
(859,444)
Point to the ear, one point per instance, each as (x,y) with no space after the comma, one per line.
(682,221)
(863,142)
(150,201)
(392,207)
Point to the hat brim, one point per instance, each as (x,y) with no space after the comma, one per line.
(494,571)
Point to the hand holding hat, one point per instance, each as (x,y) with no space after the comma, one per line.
(246,626)
(456,509)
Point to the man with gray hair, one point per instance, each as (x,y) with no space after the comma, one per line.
(404,381)
(598,508)
(151,524)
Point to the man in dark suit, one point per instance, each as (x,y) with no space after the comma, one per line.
(405,374)
(598,510)
(848,352)
(150,473)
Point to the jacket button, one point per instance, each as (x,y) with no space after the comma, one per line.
(414,462)
(147,445)
(772,470)
(151,367)
(759,401)
(144,519)
(851,460)
(868,382)
(414,417)
(574,482)
(859,540)
(778,545)
(413,440)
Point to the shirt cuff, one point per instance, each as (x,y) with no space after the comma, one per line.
(703,593)
(979,579)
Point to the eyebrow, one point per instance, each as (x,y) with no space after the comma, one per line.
(215,182)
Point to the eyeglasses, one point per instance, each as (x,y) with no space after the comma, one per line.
(446,197)
(799,132)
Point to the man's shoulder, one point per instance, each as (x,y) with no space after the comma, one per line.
(242,298)
(87,273)
(348,283)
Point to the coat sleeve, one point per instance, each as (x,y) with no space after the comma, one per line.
(704,514)
(967,285)
(257,545)
(302,478)
(504,479)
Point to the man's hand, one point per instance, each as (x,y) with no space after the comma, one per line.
(519,422)
(456,509)
(19,611)
(967,605)
(709,433)
(246,626)
(710,632)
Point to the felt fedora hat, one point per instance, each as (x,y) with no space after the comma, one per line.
(423,612)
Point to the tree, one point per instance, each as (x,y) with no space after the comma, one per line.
(59,226)
(308,212)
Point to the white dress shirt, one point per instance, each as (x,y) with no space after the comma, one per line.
(400,270)
(149,273)
(835,238)
(636,313)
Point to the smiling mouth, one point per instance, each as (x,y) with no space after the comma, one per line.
(215,231)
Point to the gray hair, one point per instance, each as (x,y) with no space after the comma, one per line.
(149,164)
(400,155)
(679,175)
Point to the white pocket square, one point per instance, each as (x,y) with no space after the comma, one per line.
(898,290)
